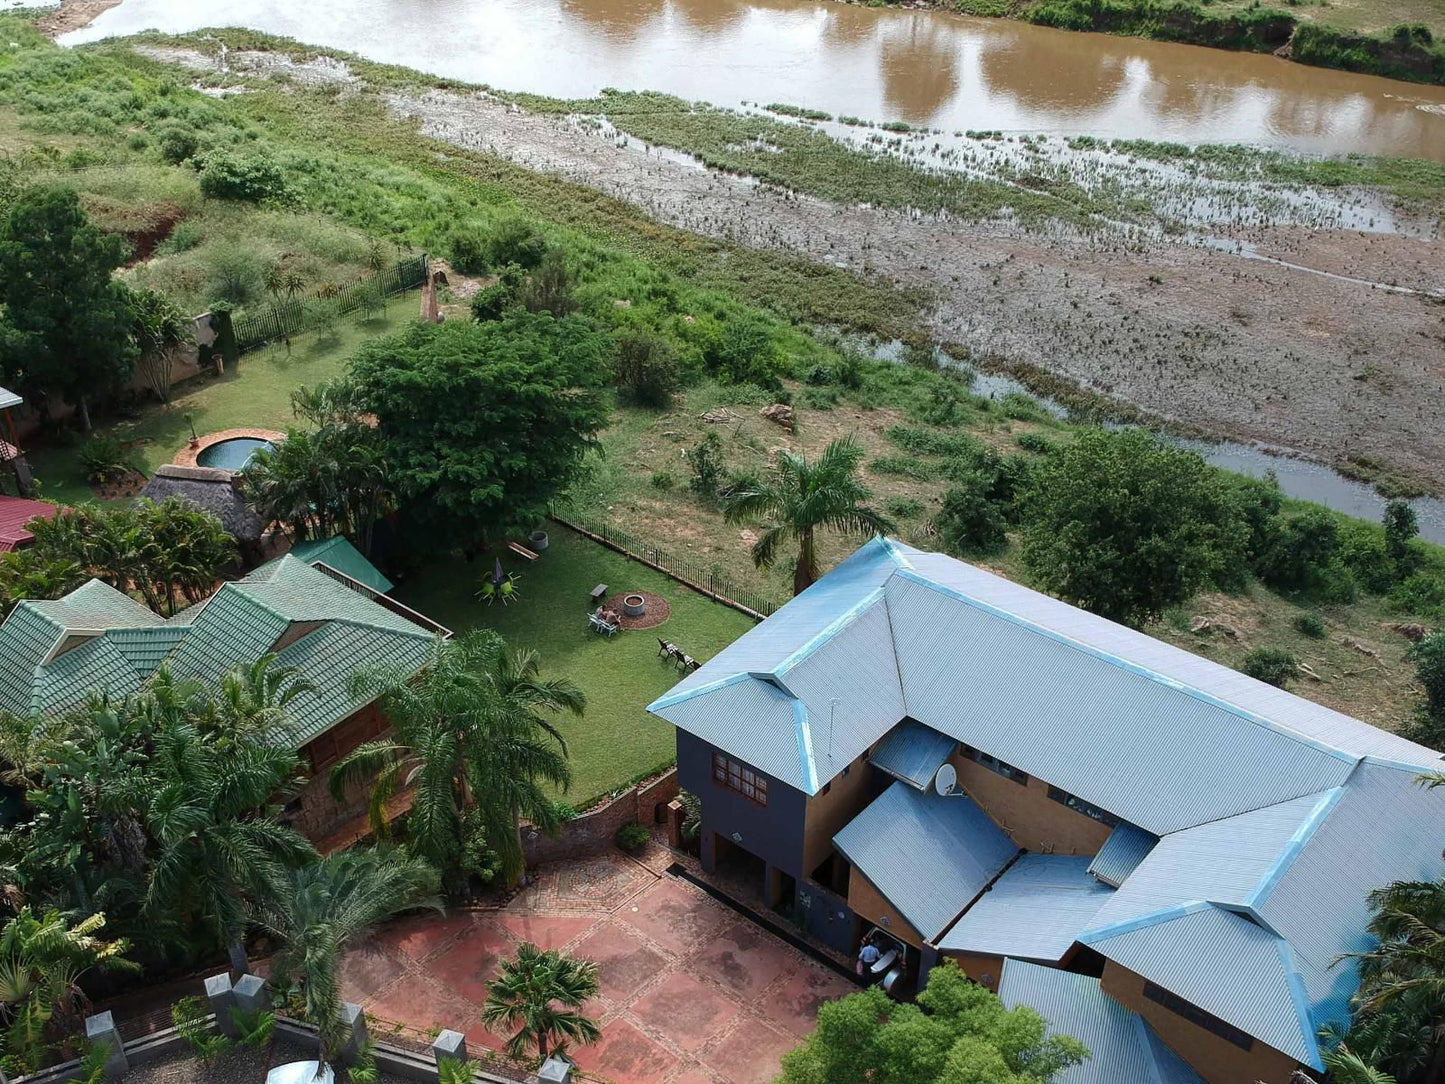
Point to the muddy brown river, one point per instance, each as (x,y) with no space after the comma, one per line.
(923,67)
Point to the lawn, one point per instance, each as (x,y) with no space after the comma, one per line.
(616,740)
(257,392)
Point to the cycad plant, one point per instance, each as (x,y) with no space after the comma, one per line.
(321,907)
(799,498)
(542,994)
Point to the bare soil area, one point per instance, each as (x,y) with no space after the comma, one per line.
(72,15)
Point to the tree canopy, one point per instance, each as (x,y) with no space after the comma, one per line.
(482,425)
(1126,526)
(68,323)
(958,1033)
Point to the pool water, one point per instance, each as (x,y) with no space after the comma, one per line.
(232,454)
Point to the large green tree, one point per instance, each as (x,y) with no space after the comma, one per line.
(159,328)
(958,1033)
(484,424)
(542,994)
(1126,526)
(474,739)
(68,324)
(798,498)
(322,907)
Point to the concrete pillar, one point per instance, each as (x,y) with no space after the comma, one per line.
(772,885)
(100,1029)
(449,1046)
(675,817)
(354,1021)
(223,999)
(555,1070)
(251,994)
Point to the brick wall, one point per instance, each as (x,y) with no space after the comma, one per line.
(596,830)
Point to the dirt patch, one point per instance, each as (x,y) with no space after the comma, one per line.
(162,220)
(658,610)
(72,15)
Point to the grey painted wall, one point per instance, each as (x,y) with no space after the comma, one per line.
(774,832)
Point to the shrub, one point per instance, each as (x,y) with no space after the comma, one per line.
(514,239)
(971,521)
(632,836)
(227,176)
(186,236)
(565,811)
(1269,664)
(1309,624)
(104,460)
(550,287)
(646,368)
(1429,658)
(192,1022)
(903,466)
(492,302)
(1034,442)
(663,480)
(467,253)
(848,371)
(903,507)
(706,461)
(1304,558)
(743,353)
(819,376)
(178,145)
(238,276)
(1422,593)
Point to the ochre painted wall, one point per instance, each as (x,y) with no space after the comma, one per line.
(868,904)
(1031,818)
(1215,1059)
(984,970)
(827,814)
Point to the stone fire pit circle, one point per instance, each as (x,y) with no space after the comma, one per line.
(656,610)
(634,605)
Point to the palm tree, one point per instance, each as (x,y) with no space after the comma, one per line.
(470,732)
(255,697)
(321,907)
(160,328)
(41,962)
(1347,1067)
(541,994)
(213,814)
(801,497)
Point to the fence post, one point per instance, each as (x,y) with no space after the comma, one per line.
(555,1070)
(223,1000)
(354,1021)
(251,995)
(449,1046)
(100,1029)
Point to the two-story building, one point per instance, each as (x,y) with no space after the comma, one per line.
(1168,859)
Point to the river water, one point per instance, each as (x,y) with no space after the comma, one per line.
(922,67)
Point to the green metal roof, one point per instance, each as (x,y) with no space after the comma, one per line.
(239,623)
(340,554)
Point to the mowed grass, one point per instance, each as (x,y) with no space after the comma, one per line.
(257,392)
(616,740)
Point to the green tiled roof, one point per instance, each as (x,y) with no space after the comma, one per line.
(239,623)
(340,554)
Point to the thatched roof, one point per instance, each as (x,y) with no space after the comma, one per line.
(210,490)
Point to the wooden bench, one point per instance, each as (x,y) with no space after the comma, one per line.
(599,592)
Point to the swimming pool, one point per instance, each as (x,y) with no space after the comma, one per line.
(231,454)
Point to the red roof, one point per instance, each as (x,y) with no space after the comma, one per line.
(15,513)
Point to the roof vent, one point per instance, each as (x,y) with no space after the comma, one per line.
(945,780)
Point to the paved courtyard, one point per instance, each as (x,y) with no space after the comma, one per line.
(691,991)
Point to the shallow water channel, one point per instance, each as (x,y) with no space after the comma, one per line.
(881,64)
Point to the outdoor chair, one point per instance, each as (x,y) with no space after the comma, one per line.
(687,662)
(666,649)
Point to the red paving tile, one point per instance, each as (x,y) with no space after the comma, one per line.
(470,962)
(696,1076)
(745,959)
(749,1054)
(365,970)
(676,915)
(625,1056)
(686,1012)
(420,1001)
(623,962)
(421,935)
(544,931)
(795,1007)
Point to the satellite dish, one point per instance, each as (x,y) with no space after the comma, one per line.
(946,780)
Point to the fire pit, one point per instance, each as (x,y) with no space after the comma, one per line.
(634,605)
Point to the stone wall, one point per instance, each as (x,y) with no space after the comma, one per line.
(596,830)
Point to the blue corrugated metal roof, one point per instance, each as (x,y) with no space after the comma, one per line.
(928,855)
(1122,1048)
(1125,848)
(1034,911)
(1223,963)
(913,752)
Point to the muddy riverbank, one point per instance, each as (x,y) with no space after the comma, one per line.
(1245,349)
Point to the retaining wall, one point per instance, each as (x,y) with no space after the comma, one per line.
(595,831)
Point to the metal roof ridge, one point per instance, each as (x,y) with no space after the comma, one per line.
(1296,844)
(1300,998)
(1141,922)
(1132,667)
(672,699)
(354,622)
(1141,1028)
(832,629)
(805,747)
